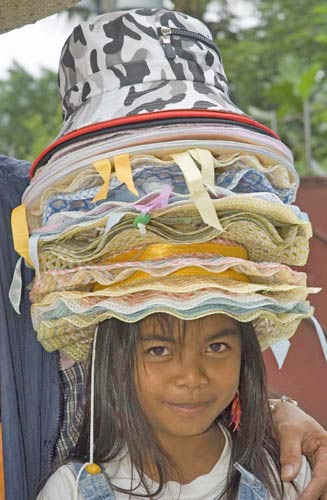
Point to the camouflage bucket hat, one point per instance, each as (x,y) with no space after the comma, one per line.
(140,61)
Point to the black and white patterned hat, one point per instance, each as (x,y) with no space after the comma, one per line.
(139,61)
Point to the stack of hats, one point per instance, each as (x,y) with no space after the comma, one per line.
(159,194)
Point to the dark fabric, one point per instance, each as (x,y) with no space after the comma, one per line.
(72,384)
(28,374)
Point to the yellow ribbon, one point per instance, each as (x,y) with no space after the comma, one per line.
(103,167)
(186,271)
(124,172)
(20,232)
(170,250)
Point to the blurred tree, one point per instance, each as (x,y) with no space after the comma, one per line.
(252,56)
(85,8)
(296,94)
(30,115)
(280,64)
(196,8)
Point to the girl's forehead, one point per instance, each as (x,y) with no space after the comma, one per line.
(170,326)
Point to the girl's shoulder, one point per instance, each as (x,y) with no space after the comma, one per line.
(60,485)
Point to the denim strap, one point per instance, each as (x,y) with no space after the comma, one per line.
(250,487)
(93,486)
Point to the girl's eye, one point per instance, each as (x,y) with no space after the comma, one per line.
(217,347)
(158,351)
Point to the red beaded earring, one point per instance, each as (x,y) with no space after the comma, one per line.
(236,413)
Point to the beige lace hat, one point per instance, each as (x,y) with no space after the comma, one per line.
(17,13)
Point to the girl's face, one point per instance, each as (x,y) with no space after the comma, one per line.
(187,372)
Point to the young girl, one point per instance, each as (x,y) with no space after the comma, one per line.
(181,412)
(124,226)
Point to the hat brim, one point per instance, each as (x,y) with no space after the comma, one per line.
(73,335)
(148,97)
(148,120)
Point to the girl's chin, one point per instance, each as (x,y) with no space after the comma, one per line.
(190,429)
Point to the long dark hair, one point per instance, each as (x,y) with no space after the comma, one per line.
(120,423)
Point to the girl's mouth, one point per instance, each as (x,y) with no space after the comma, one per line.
(188,408)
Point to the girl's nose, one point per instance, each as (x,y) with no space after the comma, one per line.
(190,373)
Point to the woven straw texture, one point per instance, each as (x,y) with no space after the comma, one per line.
(17,13)
(257,234)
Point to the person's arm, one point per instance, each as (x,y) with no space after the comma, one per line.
(2,478)
(299,434)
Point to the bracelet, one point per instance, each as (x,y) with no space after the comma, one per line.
(282,399)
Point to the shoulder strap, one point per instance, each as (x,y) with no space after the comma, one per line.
(250,488)
(93,486)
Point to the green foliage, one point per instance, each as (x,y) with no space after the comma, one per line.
(292,85)
(30,115)
(279,64)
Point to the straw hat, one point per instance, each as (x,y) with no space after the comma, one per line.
(17,13)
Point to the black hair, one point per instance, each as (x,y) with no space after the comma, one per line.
(120,423)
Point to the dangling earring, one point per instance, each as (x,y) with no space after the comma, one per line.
(236,413)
